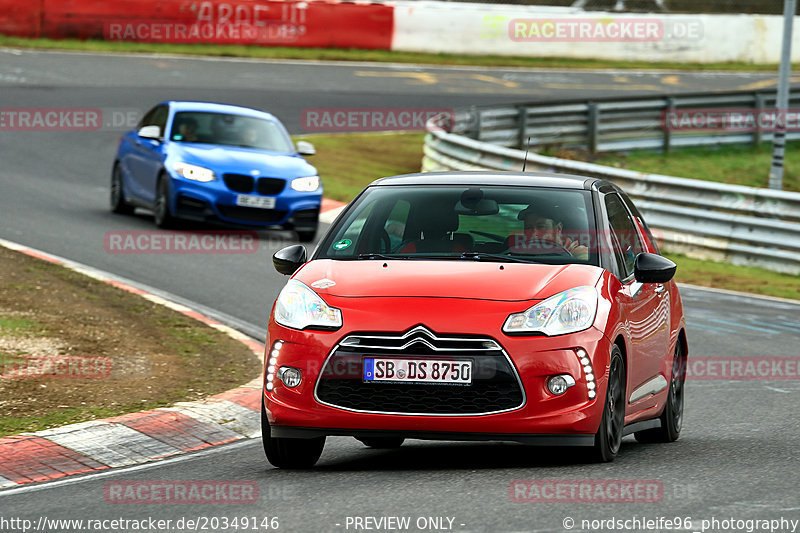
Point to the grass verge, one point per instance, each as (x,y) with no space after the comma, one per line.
(740,165)
(348,162)
(328,54)
(73,349)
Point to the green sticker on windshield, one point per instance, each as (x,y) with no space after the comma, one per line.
(341,245)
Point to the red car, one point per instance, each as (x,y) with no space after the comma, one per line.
(525,307)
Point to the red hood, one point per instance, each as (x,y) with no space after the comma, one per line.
(446,279)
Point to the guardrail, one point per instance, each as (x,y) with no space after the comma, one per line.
(738,224)
(614,124)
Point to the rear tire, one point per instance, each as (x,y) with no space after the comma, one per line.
(672,417)
(381,442)
(161,212)
(289,453)
(608,439)
(118,203)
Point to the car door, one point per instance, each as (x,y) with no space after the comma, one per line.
(645,308)
(145,158)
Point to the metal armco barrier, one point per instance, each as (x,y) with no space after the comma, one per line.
(738,224)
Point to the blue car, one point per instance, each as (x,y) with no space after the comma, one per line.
(218,163)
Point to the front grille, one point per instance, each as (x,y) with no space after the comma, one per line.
(270,185)
(251,214)
(495,384)
(238,182)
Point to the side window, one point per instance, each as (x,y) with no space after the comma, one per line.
(155,117)
(638,216)
(624,236)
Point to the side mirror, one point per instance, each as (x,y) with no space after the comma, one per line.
(150,132)
(653,268)
(288,260)
(305,148)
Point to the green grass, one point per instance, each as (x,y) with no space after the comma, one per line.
(726,276)
(328,54)
(349,162)
(740,165)
(19,326)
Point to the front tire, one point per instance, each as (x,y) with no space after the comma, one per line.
(672,417)
(118,203)
(608,438)
(289,453)
(161,213)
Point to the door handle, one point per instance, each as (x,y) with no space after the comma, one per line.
(659,289)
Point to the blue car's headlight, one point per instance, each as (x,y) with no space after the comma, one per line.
(307,184)
(193,172)
(566,312)
(299,307)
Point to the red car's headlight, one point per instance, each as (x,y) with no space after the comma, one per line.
(299,307)
(566,312)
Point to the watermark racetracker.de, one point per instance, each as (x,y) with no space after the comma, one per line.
(181,492)
(363,119)
(68,119)
(167,242)
(55,367)
(592,30)
(733,120)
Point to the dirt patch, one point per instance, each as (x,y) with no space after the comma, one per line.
(74,349)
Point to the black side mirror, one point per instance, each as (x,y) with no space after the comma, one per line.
(653,268)
(289,259)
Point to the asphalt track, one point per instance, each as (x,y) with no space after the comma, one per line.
(737,455)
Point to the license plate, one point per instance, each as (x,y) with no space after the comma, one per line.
(418,370)
(261,202)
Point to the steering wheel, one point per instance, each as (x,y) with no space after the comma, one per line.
(386,241)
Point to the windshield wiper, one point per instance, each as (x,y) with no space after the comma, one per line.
(479,256)
(380,256)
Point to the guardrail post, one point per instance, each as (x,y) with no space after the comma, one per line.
(475,133)
(522,124)
(665,125)
(592,130)
(761,103)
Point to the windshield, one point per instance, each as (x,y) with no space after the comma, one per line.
(230,130)
(494,223)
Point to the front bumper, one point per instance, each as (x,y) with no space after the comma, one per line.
(213,201)
(534,359)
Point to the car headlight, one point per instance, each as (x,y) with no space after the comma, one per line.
(307,184)
(566,312)
(193,172)
(299,307)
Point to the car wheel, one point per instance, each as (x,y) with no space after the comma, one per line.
(118,203)
(307,235)
(161,211)
(289,453)
(608,438)
(382,442)
(672,417)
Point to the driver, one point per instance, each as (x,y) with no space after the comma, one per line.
(544,231)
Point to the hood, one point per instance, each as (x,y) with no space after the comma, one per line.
(222,159)
(446,279)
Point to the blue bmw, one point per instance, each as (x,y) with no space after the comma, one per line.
(215,162)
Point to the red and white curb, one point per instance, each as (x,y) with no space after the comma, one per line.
(137,437)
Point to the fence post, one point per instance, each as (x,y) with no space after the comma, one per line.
(665,125)
(476,132)
(522,124)
(592,130)
(758,136)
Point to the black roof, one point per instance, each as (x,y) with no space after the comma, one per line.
(491,177)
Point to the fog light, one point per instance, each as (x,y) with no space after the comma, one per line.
(289,376)
(558,385)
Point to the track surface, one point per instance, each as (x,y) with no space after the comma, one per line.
(735,459)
